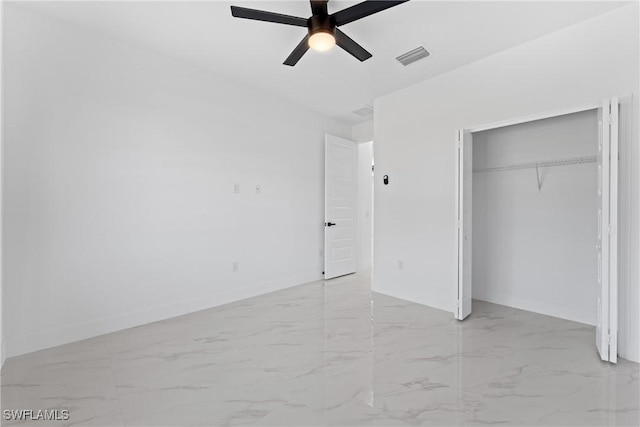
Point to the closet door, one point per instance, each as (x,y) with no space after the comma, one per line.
(607,325)
(464,221)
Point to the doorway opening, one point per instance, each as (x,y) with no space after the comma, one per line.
(365,206)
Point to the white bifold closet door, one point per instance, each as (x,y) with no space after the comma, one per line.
(464,221)
(607,323)
(340,205)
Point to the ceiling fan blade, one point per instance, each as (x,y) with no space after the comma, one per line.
(347,43)
(363,9)
(261,15)
(318,7)
(297,53)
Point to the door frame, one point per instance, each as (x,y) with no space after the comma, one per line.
(613,284)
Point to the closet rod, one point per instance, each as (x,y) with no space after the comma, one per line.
(543,164)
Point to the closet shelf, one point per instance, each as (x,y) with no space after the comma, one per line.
(543,164)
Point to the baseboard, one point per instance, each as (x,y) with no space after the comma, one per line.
(438,305)
(627,350)
(3,353)
(93,328)
(550,309)
(364,266)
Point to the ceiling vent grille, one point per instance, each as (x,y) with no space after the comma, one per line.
(413,56)
(364,111)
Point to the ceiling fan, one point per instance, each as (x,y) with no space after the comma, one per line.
(323,32)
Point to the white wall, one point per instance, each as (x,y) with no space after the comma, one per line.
(414,133)
(536,250)
(120,169)
(362,132)
(365,205)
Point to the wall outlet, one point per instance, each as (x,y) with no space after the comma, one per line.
(401,264)
(236,187)
(235,266)
(257,188)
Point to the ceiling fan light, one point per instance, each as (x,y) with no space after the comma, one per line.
(322,41)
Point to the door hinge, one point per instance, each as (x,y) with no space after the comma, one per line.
(610,340)
(458,224)
(612,229)
(611,120)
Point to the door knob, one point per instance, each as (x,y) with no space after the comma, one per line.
(329,224)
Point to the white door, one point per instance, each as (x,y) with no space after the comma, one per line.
(607,326)
(340,206)
(463,218)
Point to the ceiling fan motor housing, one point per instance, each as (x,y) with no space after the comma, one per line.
(322,24)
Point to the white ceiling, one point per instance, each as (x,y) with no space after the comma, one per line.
(204,34)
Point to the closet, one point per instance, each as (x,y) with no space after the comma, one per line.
(536,217)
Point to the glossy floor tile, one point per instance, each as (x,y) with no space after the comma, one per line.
(331,353)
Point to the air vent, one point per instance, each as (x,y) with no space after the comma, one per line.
(364,111)
(413,56)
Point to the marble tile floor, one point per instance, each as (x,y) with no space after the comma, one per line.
(331,353)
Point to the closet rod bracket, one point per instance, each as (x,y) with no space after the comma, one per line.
(538,178)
